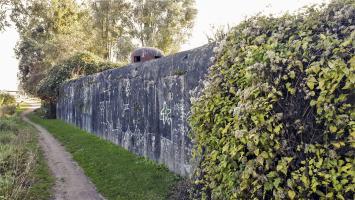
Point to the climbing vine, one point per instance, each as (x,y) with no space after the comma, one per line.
(276,119)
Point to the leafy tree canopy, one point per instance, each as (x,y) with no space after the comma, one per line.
(3,14)
(123,25)
(52,31)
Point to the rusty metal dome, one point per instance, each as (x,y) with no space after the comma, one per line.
(145,53)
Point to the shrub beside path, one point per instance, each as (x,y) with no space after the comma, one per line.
(71,182)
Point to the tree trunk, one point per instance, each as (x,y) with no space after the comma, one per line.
(50,109)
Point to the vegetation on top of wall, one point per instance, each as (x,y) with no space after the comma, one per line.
(276,120)
(81,64)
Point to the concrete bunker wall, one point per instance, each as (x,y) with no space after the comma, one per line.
(142,107)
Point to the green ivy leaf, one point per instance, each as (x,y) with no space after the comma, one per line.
(329,195)
(292,74)
(333,129)
(277,182)
(291,194)
(305,181)
(310,83)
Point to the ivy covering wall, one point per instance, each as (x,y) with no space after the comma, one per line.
(276,120)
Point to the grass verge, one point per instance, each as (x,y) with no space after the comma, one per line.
(117,173)
(24,173)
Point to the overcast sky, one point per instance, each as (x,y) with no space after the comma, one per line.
(210,12)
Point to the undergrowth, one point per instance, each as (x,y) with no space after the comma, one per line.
(23,170)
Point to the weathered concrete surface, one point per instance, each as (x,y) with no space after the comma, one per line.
(142,107)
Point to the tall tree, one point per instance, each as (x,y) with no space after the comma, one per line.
(112,25)
(50,31)
(164,24)
(4,8)
(68,24)
(28,17)
(124,25)
(54,30)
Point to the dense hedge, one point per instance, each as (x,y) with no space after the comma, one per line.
(81,64)
(276,120)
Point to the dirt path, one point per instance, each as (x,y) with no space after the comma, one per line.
(71,183)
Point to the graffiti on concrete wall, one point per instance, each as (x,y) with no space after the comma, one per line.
(165,114)
(142,107)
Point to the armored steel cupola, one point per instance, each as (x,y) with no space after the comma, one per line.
(145,53)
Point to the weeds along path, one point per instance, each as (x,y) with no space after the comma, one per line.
(71,183)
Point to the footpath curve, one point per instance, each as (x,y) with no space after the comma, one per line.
(71,183)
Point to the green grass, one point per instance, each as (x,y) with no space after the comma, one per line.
(24,164)
(117,173)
